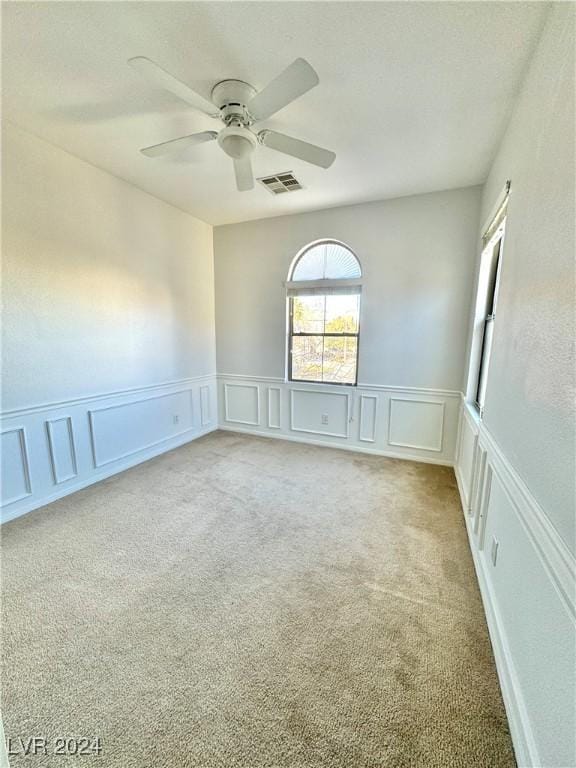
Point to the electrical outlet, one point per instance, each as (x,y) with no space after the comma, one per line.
(494,550)
(324,418)
(175,418)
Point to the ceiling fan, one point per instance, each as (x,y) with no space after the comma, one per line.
(238,105)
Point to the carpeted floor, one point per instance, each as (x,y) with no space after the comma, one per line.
(248,603)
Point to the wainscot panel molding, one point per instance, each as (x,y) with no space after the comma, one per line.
(527,578)
(416,423)
(119,431)
(206,407)
(16,484)
(62,449)
(368,413)
(274,408)
(333,407)
(242,404)
(53,449)
(354,418)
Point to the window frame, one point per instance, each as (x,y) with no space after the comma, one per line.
(488,323)
(292,334)
(493,244)
(333,283)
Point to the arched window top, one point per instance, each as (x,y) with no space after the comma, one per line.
(326,260)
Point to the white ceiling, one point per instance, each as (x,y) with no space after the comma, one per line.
(413,97)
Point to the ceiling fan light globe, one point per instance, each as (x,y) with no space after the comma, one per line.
(237,141)
(236,147)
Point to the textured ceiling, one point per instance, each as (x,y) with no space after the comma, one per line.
(413,97)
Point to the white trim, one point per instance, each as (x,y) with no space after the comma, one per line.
(373,438)
(92,424)
(470,412)
(357,398)
(276,379)
(468,492)
(241,421)
(411,445)
(119,466)
(559,562)
(360,385)
(473,419)
(551,553)
(205,406)
(340,446)
(520,728)
(344,435)
(504,193)
(480,526)
(412,390)
(52,406)
(479,484)
(270,424)
(47,482)
(21,431)
(52,452)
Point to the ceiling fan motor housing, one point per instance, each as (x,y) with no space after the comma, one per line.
(231,98)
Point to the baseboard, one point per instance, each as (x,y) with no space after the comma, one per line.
(340,446)
(110,470)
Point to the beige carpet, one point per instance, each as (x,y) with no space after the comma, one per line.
(243,602)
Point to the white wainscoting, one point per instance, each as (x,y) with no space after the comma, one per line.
(332,407)
(54,449)
(274,408)
(416,423)
(367,418)
(242,404)
(15,465)
(529,596)
(62,449)
(410,423)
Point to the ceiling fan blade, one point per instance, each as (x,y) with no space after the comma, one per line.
(244,176)
(175,145)
(296,79)
(159,78)
(310,153)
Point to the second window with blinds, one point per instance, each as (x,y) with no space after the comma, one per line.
(324,290)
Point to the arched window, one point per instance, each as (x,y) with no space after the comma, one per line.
(324,314)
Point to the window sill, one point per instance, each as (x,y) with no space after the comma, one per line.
(473,411)
(321,383)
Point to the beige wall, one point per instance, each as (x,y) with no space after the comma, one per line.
(104,287)
(417,255)
(530,400)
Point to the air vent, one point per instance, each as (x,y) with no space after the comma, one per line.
(282,182)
